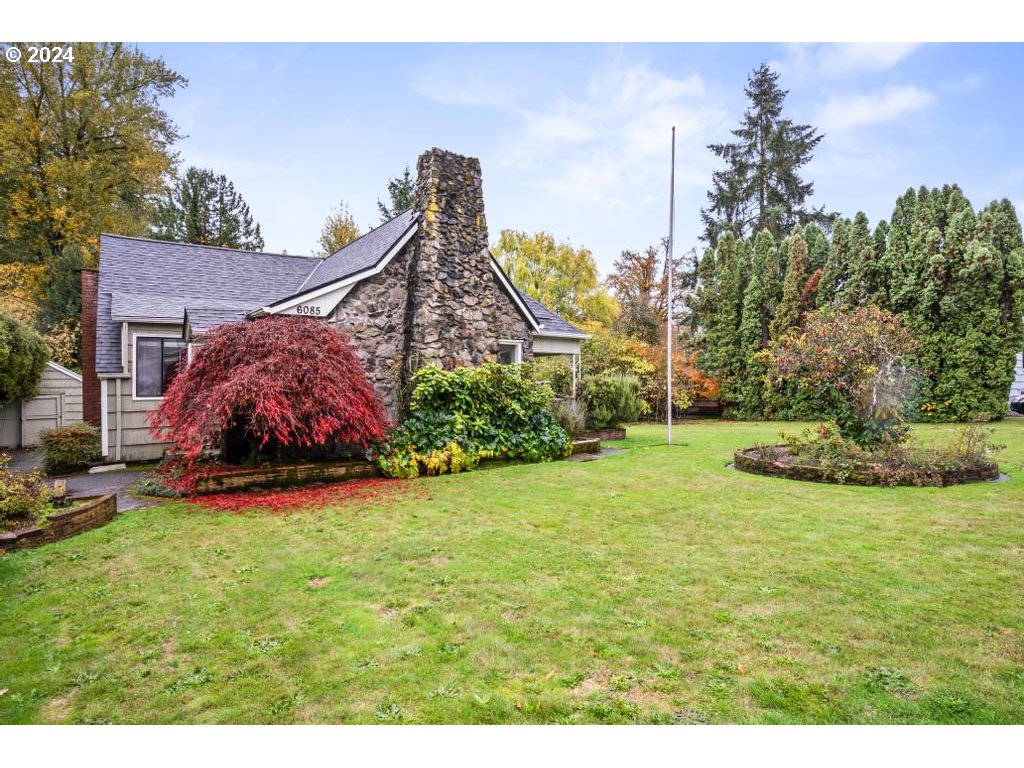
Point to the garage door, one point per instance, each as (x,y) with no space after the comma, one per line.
(38,414)
(10,425)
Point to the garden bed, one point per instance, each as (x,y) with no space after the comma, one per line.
(283,476)
(91,513)
(605,434)
(785,465)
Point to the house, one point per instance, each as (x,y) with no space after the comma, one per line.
(58,404)
(420,289)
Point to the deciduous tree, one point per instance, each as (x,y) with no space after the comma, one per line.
(23,356)
(293,381)
(556,274)
(84,146)
(339,230)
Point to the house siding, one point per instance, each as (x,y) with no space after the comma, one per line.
(130,421)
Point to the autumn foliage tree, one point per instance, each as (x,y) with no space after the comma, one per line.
(862,354)
(285,381)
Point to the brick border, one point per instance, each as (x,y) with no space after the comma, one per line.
(61,525)
(278,477)
(745,462)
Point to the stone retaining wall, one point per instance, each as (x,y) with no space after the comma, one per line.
(275,477)
(63,524)
(606,434)
(745,461)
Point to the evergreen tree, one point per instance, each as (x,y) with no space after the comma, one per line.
(861,249)
(836,273)
(721,300)
(754,328)
(958,278)
(791,309)
(761,187)
(402,194)
(60,306)
(203,207)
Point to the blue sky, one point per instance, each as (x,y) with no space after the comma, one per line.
(574,138)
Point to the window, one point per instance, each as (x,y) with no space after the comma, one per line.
(510,352)
(156,362)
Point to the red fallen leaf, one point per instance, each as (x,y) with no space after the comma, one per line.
(331,494)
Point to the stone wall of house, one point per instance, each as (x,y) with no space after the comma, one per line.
(511,324)
(372,316)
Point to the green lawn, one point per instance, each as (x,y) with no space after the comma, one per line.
(651,586)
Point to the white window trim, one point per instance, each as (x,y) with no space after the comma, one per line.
(135,362)
(518,344)
(104,425)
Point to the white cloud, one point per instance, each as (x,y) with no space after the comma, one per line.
(841,113)
(609,143)
(836,60)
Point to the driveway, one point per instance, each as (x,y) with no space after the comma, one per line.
(117,481)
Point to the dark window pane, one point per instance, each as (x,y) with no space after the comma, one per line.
(507,353)
(174,352)
(149,368)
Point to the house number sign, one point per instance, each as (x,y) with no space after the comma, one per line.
(308,309)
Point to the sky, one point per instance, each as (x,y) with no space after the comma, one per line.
(574,139)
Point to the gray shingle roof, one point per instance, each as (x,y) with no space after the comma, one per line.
(361,254)
(202,319)
(550,322)
(161,278)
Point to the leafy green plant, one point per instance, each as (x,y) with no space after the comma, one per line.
(461,416)
(70,448)
(611,400)
(23,496)
(571,415)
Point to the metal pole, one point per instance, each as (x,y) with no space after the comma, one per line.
(668,298)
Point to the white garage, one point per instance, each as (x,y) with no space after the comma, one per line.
(59,402)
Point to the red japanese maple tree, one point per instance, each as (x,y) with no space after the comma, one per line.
(285,379)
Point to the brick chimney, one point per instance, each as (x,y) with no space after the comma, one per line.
(90,381)
(453,302)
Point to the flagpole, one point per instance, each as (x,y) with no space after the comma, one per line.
(668,301)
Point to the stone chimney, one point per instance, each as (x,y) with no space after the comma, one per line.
(90,381)
(453,307)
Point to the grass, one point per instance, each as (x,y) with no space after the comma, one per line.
(653,586)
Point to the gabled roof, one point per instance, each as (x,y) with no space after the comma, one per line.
(361,254)
(156,279)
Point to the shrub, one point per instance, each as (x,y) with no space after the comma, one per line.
(461,416)
(611,400)
(23,496)
(282,381)
(23,355)
(571,415)
(860,354)
(70,448)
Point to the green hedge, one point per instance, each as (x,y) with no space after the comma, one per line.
(68,449)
